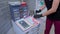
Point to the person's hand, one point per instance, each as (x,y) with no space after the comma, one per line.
(42,7)
(38,16)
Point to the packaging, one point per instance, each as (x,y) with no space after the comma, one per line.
(15,10)
(24,10)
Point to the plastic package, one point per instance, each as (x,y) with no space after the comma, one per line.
(15,10)
(24,10)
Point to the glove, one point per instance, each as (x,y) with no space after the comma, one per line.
(38,11)
(38,16)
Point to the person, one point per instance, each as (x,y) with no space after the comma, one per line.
(53,15)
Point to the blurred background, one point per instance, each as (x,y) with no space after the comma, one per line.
(5,17)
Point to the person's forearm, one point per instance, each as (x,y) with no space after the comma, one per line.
(48,12)
(53,8)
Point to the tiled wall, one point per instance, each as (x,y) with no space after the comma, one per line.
(5,23)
